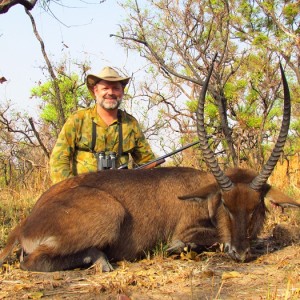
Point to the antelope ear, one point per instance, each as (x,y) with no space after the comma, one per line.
(201,194)
(212,195)
(280,199)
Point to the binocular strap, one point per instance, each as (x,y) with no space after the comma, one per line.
(120,147)
(94,135)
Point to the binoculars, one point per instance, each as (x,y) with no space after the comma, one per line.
(106,161)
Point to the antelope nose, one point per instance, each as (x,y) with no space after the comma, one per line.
(240,255)
(227,247)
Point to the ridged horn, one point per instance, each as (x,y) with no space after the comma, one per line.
(223,181)
(262,178)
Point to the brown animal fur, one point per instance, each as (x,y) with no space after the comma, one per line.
(124,213)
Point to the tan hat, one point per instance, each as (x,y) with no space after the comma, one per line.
(108,74)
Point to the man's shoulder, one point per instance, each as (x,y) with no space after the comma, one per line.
(128,117)
(82,113)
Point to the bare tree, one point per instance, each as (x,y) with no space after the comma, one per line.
(22,153)
(183,53)
(178,40)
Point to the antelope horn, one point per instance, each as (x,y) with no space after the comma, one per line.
(262,178)
(223,181)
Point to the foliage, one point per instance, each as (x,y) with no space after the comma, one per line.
(245,99)
(74,95)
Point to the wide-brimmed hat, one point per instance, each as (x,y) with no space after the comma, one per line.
(108,74)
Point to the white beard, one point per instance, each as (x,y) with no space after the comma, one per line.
(110,104)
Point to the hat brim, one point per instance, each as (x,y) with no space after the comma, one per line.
(92,80)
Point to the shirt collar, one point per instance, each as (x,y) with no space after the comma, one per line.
(98,120)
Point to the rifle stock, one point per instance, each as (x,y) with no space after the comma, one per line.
(151,164)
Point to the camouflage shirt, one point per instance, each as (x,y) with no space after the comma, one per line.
(72,153)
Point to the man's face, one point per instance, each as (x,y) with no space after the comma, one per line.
(109,94)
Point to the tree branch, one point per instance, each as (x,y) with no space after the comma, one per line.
(5,5)
(38,137)
(61,118)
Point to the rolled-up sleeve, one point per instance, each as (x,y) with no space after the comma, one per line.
(62,153)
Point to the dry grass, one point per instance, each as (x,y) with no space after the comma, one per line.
(274,275)
(14,206)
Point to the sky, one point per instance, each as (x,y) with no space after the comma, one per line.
(86,36)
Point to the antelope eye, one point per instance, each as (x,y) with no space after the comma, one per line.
(254,210)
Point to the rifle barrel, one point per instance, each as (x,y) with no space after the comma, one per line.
(167,155)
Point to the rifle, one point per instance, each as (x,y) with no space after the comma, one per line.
(158,161)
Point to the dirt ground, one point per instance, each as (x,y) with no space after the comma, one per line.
(273,273)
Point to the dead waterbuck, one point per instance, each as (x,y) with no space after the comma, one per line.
(119,214)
